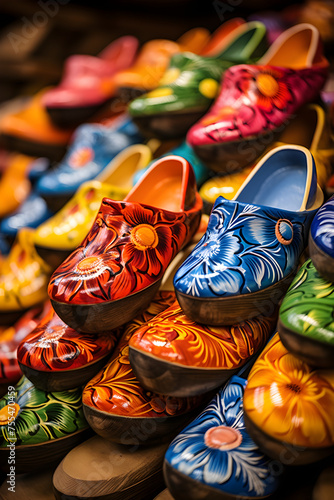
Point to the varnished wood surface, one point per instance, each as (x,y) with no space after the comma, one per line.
(30,487)
(164,495)
(110,471)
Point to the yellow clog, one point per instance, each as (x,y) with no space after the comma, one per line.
(67,228)
(24,277)
(14,185)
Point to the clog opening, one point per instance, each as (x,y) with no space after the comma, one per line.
(163,185)
(280,183)
(221,37)
(123,174)
(295,48)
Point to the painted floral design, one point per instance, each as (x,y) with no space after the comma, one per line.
(256,99)
(173,337)
(289,400)
(307,307)
(191,81)
(216,450)
(246,248)
(10,371)
(128,248)
(54,346)
(116,390)
(322,228)
(41,416)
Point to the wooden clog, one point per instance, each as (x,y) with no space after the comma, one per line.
(23,280)
(256,102)
(40,427)
(321,240)
(116,271)
(99,469)
(288,406)
(306,326)
(10,338)
(174,355)
(246,261)
(34,486)
(54,357)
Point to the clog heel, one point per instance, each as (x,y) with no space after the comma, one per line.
(246,261)
(116,271)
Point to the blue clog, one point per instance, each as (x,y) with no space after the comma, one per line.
(92,149)
(202,173)
(321,240)
(214,457)
(31,213)
(246,260)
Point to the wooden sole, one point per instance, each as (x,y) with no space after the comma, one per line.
(173,379)
(323,263)
(128,94)
(30,487)
(73,117)
(184,487)
(51,256)
(168,126)
(229,157)
(110,471)
(313,352)
(8,318)
(164,495)
(106,315)
(34,457)
(63,380)
(137,430)
(286,453)
(231,310)
(54,152)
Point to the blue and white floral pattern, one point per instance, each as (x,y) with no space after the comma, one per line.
(246,248)
(322,228)
(244,470)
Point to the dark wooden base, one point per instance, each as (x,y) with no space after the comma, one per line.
(51,256)
(232,310)
(164,495)
(173,379)
(286,453)
(106,315)
(313,352)
(37,457)
(36,486)
(109,471)
(323,263)
(137,431)
(184,487)
(128,94)
(73,117)
(65,379)
(229,157)
(167,126)
(54,152)
(8,318)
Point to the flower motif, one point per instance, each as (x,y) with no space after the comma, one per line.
(216,450)
(41,416)
(272,91)
(289,400)
(245,248)
(128,248)
(116,390)
(54,346)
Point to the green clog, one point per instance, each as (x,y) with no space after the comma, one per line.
(191,83)
(306,318)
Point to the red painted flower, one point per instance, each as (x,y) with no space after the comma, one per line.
(271,90)
(128,248)
(55,346)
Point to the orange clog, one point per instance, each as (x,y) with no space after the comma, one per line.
(31,131)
